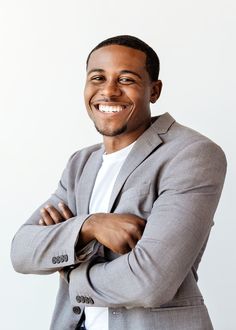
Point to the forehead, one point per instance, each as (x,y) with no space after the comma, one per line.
(116,57)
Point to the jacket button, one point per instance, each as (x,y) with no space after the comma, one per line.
(91,300)
(58,260)
(54,260)
(87,300)
(76,310)
(66,257)
(78,299)
(82,299)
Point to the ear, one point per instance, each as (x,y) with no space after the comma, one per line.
(155,91)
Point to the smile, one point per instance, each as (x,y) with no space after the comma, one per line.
(110,108)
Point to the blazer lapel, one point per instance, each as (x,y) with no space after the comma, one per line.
(145,144)
(87,180)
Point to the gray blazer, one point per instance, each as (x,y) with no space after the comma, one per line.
(173,178)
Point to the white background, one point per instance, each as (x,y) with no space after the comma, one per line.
(43,48)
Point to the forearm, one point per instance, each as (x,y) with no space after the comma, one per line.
(45,249)
(86,234)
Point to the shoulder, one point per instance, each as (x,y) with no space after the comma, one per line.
(80,157)
(179,139)
(185,153)
(190,154)
(85,153)
(188,141)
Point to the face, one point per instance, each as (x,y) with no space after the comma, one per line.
(118,91)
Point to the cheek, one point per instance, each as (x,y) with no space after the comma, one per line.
(88,93)
(139,96)
(142,101)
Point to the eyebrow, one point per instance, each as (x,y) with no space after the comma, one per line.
(122,71)
(132,72)
(95,70)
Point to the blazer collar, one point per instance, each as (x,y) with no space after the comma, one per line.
(87,180)
(144,145)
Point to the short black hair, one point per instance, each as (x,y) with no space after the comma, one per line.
(152,60)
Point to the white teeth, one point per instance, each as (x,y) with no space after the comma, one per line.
(109,108)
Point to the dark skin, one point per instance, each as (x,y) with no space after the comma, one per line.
(118,232)
(118,93)
(51,216)
(117,76)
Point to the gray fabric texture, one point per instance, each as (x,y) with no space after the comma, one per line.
(173,177)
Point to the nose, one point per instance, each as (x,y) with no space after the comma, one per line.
(111,89)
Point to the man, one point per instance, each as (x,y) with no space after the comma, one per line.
(129,221)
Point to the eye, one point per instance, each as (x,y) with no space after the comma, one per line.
(126,80)
(97,78)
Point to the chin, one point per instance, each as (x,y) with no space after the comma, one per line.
(109,132)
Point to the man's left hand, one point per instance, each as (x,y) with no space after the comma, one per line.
(51,216)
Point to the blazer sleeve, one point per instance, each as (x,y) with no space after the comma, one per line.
(38,249)
(189,187)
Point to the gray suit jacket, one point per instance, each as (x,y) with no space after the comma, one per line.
(172,177)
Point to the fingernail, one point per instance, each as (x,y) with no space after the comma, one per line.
(47,206)
(61,204)
(42,210)
(41,221)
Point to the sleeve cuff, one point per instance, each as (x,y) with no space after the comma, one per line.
(88,251)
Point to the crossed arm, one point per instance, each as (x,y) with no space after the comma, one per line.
(155,265)
(118,232)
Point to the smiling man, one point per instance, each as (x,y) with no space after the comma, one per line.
(118,93)
(129,222)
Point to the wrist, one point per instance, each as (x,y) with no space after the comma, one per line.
(87,229)
(94,223)
(86,233)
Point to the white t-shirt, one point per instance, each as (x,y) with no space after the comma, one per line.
(96,318)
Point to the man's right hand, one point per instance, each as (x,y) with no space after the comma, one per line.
(118,232)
